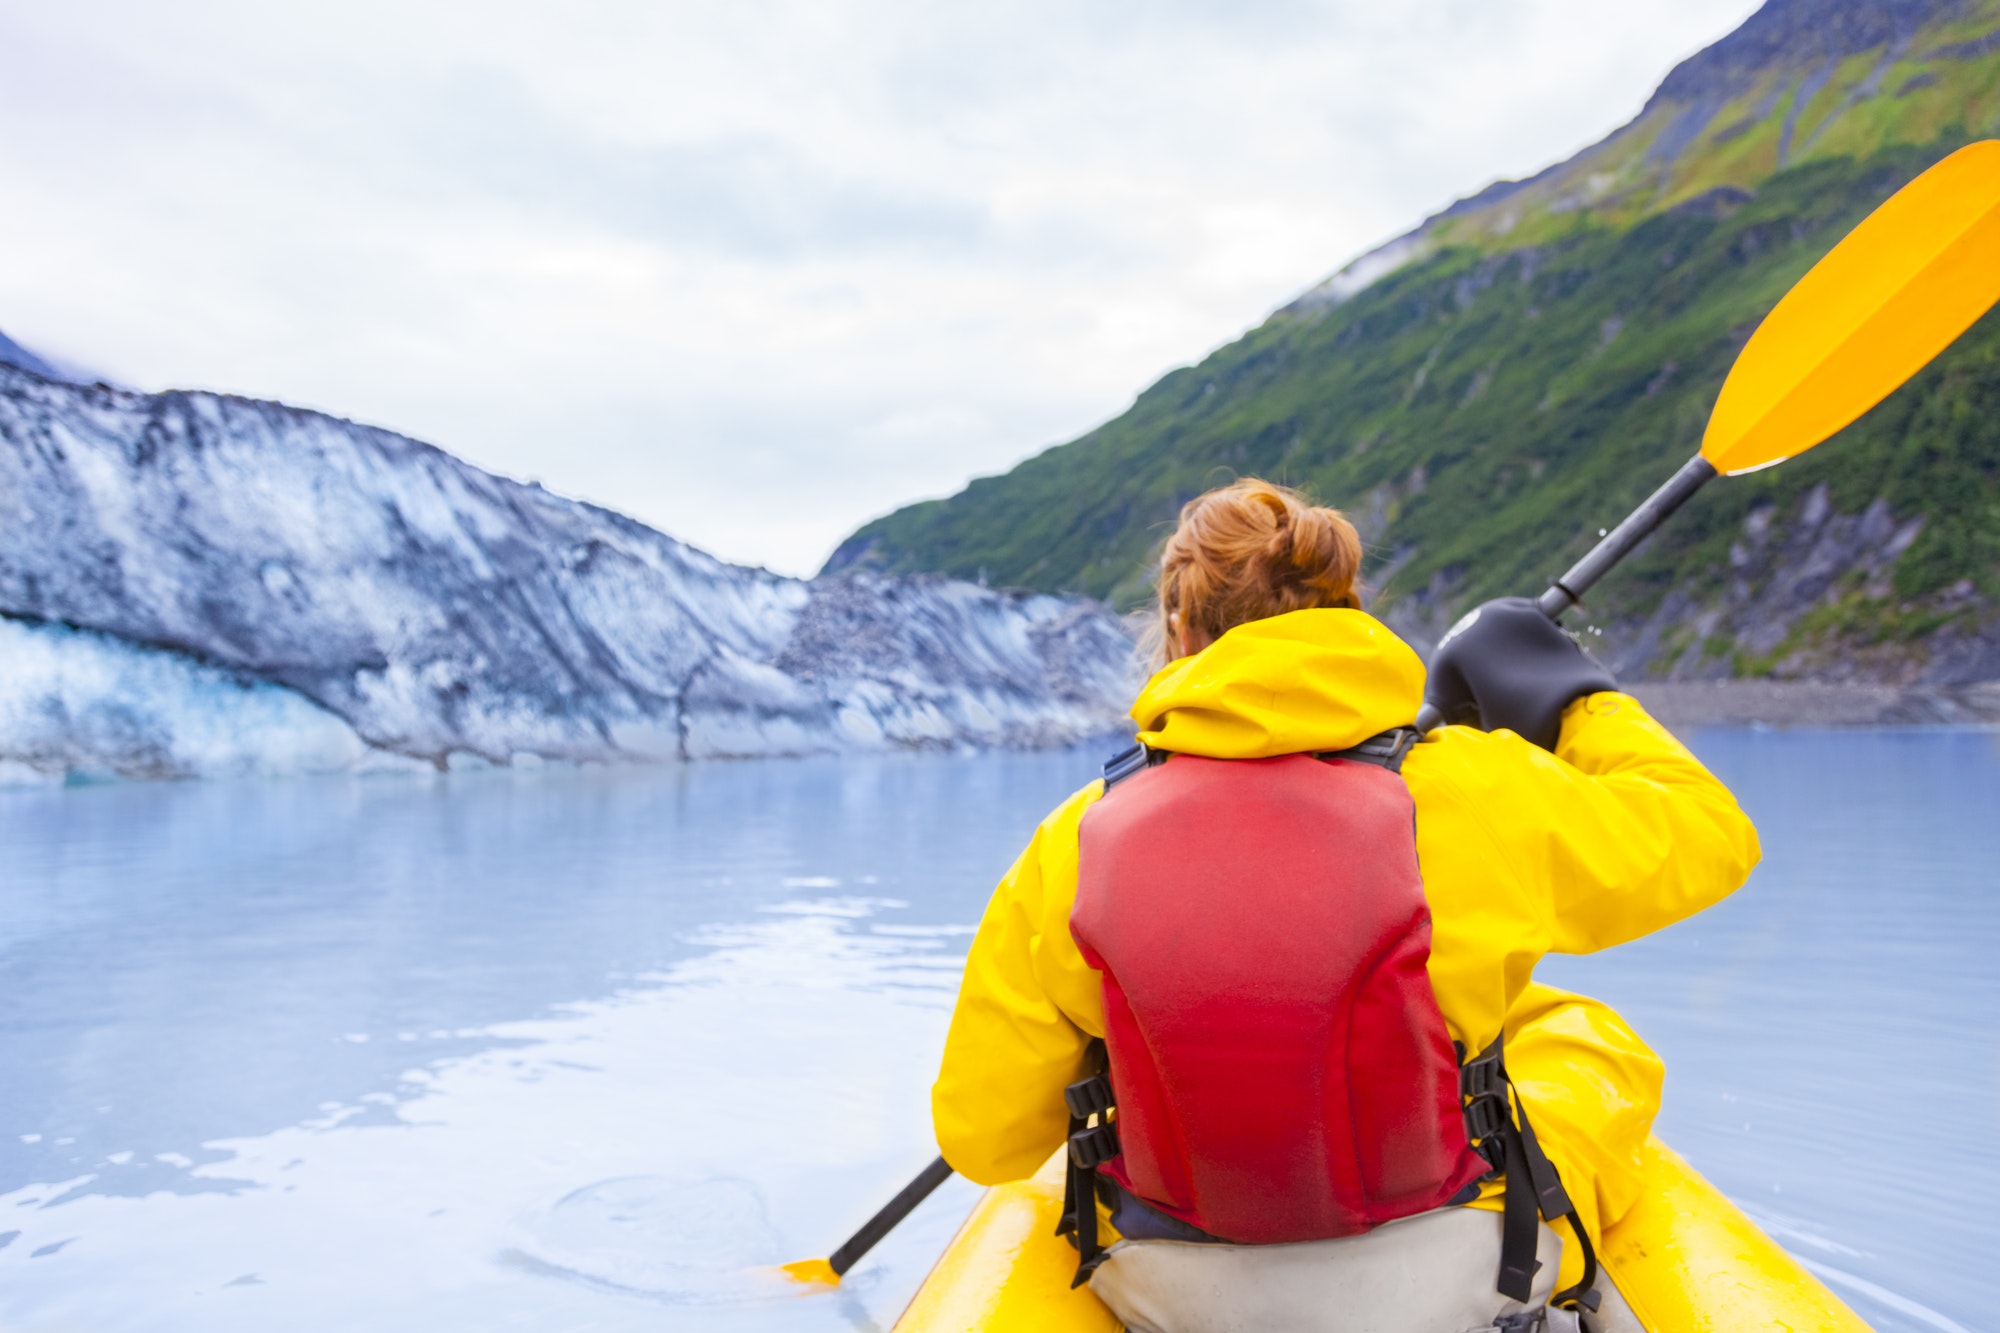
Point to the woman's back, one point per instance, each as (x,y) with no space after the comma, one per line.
(1519,851)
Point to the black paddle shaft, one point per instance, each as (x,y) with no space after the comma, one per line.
(1568,590)
(895,1211)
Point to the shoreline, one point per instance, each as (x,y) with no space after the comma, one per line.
(1683,705)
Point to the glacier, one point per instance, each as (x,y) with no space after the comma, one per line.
(77,706)
(196,584)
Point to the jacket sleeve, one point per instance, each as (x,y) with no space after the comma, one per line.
(1026,1012)
(1592,1087)
(1638,834)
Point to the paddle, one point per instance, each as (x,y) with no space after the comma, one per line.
(832,1268)
(1871,313)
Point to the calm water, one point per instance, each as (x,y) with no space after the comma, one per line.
(581,1050)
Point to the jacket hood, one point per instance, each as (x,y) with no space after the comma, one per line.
(1323,679)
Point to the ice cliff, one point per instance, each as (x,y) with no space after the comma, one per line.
(193,583)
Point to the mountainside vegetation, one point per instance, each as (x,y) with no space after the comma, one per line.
(1488,392)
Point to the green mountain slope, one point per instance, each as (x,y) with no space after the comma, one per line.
(1801,81)
(1486,393)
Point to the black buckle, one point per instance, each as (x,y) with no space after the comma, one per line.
(1125,763)
(1488,1111)
(1386,750)
(1484,1077)
(1093,1147)
(1401,741)
(1484,1118)
(1088,1096)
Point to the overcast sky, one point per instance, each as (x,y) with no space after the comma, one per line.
(753,272)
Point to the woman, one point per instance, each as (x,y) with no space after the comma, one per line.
(1289,919)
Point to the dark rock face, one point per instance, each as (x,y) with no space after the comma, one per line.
(1808,601)
(439,609)
(1783,566)
(1796,33)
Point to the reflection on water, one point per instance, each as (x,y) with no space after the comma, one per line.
(690,1242)
(332,1054)
(593,1049)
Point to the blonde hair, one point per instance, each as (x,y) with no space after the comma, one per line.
(1250,550)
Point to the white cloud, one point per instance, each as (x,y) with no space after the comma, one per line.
(752,272)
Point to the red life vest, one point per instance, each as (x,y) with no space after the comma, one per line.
(1281,1068)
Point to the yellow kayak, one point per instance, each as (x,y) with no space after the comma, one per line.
(1686,1260)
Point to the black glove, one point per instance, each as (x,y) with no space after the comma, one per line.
(1506,665)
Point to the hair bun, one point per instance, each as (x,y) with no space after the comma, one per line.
(1312,540)
(1252,550)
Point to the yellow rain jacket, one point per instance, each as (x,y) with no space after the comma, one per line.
(1621,831)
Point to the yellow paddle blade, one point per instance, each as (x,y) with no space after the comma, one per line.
(811,1270)
(1893,294)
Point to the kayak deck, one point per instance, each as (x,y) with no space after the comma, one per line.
(1008,1270)
(1685,1258)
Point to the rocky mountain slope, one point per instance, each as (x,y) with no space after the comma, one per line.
(13,354)
(1488,391)
(192,583)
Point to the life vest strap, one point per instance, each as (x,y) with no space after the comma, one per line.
(1135,1219)
(1093,1141)
(1135,758)
(1534,1186)
(1385,750)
